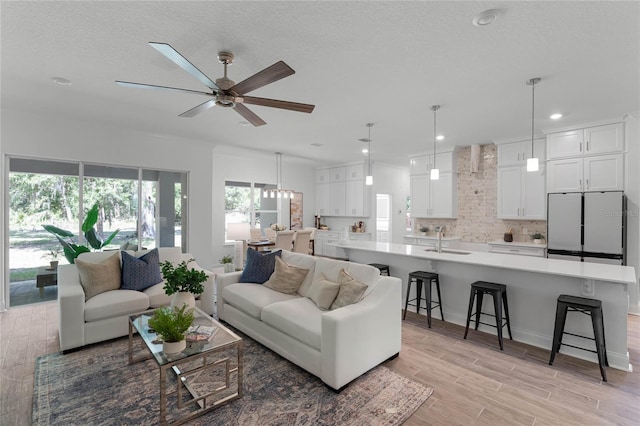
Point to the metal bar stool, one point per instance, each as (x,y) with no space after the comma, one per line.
(381,267)
(499,293)
(591,307)
(427,278)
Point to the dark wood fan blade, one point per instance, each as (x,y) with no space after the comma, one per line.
(175,57)
(151,86)
(275,103)
(197,110)
(249,115)
(275,72)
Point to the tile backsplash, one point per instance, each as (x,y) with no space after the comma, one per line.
(477,204)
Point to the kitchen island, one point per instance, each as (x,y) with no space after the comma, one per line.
(533,286)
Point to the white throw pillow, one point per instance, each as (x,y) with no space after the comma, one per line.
(323,292)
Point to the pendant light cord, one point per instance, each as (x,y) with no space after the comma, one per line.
(369,149)
(533,105)
(434,137)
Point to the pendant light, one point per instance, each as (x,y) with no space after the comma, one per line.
(532,163)
(369,178)
(278,192)
(435,173)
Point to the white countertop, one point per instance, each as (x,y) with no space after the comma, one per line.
(431,237)
(517,244)
(584,270)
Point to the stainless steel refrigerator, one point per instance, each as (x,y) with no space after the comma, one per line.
(587,226)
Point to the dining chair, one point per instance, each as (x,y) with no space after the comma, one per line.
(256,234)
(284,240)
(301,240)
(270,234)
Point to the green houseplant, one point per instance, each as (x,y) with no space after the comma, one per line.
(227,261)
(182,282)
(424,229)
(171,324)
(52,255)
(72,250)
(537,237)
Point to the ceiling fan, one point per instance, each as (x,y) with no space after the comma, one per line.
(225,92)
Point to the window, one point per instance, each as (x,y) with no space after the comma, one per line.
(60,193)
(244,202)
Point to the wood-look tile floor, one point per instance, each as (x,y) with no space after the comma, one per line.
(473,381)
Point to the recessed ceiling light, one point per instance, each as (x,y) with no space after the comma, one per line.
(61,81)
(316,144)
(485,18)
(244,123)
(555,116)
(439,137)
(365,150)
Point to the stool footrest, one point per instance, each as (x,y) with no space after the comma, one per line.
(578,347)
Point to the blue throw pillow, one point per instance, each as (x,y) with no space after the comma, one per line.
(139,273)
(259,267)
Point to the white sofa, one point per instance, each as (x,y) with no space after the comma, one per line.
(105,316)
(335,345)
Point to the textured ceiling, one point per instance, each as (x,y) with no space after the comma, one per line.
(358,62)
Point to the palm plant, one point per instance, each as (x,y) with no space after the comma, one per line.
(70,248)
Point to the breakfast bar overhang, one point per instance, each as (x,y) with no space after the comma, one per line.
(533,283)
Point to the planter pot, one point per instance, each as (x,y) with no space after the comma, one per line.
(229,267)
(508,238)
(53,264)
(174,347)
(183,298)
(537,241)
(423,234)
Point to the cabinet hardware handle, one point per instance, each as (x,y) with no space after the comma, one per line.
(518,156)
(580,146)
(587,183)
(587,145)
(580,183)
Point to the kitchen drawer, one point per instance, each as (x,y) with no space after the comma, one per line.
(409,240)
(519,250)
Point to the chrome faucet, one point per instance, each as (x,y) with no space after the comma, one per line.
(440,231)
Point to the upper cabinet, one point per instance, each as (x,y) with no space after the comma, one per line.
(517,153)
(340,191)
(521,194)
(588,159)
(434,198)
(608,138)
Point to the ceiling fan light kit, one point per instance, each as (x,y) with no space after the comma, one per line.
(224,91)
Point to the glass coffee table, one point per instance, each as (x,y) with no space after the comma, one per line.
(208,373)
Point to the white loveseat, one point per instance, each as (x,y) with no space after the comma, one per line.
(105,316)
(335,345)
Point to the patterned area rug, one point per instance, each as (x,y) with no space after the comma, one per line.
(97,386)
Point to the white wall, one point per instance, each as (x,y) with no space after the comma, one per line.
(55,137)
(632,190)
(246,165)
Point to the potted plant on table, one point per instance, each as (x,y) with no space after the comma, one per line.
(183,283)
(423,230)
(537,238)
(227,261)
(171,324)
(52,255)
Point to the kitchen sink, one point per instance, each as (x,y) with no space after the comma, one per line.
(447,251)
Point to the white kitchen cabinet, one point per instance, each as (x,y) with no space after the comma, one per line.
(323,242)
(354,198)
(337,199)
(521,194)
(597,173)
(423,164)
(517,153)
(523,249)
(431,241)
(322,175)
(354,172)
(608,138)
(434,198)
(340,191)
